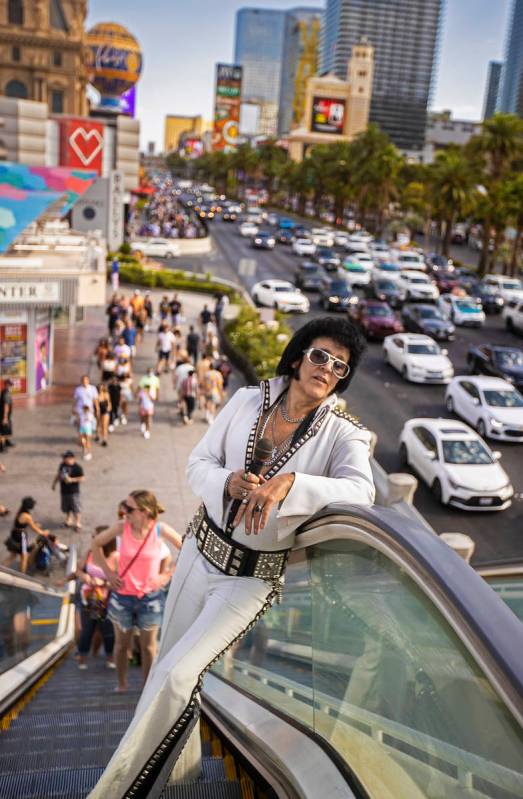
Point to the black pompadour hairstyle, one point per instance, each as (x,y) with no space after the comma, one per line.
(342,331)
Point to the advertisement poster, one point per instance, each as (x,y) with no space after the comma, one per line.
(81,144)
(227,106)
(42,362)
(13,356)
(328,115)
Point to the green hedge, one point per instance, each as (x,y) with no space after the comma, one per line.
(259,344)
(173,279)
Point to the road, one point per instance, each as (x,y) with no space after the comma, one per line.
(384,401)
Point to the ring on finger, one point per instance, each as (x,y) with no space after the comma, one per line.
(258,508)
(244,493)
(244,501)
(246,476)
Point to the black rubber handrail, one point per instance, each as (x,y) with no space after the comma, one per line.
(473,601)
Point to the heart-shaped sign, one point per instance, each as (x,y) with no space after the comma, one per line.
(86,144)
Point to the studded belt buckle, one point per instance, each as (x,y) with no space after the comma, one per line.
(269,565)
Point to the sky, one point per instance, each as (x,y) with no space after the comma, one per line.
(182,41)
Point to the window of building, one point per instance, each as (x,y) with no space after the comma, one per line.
(362,73)
(57,16)
(57,101)
(16,54)
(57,58)
(15,88)
(15,12)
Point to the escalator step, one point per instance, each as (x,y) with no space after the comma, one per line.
(220,790)
(79,719)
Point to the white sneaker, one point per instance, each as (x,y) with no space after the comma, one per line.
(116,422)
(146,434)
(88,456)
(142,427)
(111,428)
(123,420)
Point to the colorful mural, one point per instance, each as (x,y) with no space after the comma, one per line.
(26,192)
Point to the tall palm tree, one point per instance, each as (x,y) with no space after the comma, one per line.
(375,174)
(451,182)
(512,197)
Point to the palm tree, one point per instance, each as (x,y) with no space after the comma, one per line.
(272,160)
(451,183)
(375,174)
(512,197)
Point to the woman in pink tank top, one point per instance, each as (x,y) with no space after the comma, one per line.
(137,598)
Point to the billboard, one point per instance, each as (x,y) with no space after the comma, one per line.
(13,356)
(42,357)
(227,106)
(81,144)
(128,102)
(328,115)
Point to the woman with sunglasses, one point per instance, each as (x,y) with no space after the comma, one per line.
(234,553)
(137,598)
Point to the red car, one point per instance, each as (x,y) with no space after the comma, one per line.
(445,280)
(376,319)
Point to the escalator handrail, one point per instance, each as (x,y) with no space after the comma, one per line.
(477,612)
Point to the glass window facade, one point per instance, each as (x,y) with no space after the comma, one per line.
(511,89)
(300,61)
(492,90)
(259,49)
(404,34)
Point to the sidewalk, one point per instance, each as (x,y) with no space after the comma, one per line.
(42,432)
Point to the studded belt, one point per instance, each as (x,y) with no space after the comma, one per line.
(230,557)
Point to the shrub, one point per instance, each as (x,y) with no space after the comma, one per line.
(132,272)
(260,344)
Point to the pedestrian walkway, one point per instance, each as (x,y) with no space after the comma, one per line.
(42,431)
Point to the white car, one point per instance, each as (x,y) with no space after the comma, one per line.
(418,358)
(418,286)
(341,238)
(510,288)
(380,251)
(464,311)
(456,464)
(363,258)
(492,405)
(303,247)
(280,294)
(361,237)
(356,246)
(322,237)
(355,274)
(386,270)
(248,229)
(513,316)
(409,259)
(155,247)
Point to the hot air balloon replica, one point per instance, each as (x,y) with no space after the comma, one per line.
(114,63)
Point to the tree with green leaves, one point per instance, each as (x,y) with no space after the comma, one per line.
(451,182)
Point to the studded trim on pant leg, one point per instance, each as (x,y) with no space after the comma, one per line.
(144,781)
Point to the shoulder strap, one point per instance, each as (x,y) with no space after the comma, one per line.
(137,553)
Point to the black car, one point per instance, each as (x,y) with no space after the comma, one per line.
(386,291)
(263,240)
(336,295)
(301,232)
(229,215)
(428,320)
(327,258)
(505,362)
(435,262)
(309,276)
(284,236)
(489,296)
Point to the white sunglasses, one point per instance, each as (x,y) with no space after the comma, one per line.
(318,357)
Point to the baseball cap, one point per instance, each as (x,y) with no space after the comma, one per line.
(68,454)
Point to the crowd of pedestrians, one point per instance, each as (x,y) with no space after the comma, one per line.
(165,216)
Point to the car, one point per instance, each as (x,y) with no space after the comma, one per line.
(380,251)
(340,238)
(229,215)
(301,232)
(322,237)
(327,258)
(248,229)
(273,220)
(408,259)
(456,464)
(336,294)
(254,214)
(364,259)
(504,362)
(281,295)
(284,236)
(418,358)
(386,290)
(418,286)
(428,320)
(376,319)
(445,281)
(464,311)
(156,248)
(435,262)
(385,270)
(287,224)
(458,234)
(510,288)
(361,237)
(492,405)
(513,316)
(263,240)
(309,276)
(356,274)
(303,247)
(491,300)
(206,212)
(355,247)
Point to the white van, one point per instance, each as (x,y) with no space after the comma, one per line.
(408,259)
(510,288)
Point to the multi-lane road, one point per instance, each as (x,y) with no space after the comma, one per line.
(384,401)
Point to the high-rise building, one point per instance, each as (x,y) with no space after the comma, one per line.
(511,88)
(300,61)
(258,49)
(492,88)
(404,34)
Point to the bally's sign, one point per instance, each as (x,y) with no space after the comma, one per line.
(29,293)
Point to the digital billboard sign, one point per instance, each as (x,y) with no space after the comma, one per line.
(227,106)
(328,115)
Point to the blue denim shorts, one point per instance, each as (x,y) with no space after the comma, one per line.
(131,611)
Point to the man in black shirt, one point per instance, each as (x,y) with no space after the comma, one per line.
(70,475)
(6,412)
(193,342)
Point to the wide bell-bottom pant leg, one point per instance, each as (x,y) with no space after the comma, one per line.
(206,613)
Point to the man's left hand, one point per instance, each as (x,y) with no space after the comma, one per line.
(261,502)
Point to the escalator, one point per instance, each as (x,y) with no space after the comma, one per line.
(390,670)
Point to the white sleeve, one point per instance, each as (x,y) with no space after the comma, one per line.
(205,469)
(349,480)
